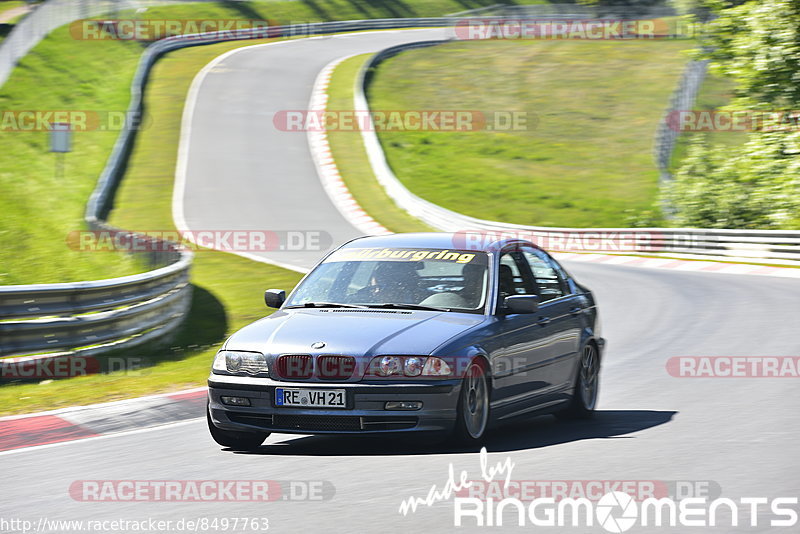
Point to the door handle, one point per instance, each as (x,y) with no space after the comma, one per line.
(543,321)
(575,310)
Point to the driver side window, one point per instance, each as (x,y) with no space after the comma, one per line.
(511,276)
(551,285)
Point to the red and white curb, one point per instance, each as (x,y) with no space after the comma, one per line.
(82,422)
(681,265)
(326,168)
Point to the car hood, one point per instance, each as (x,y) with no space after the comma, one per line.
(353,332)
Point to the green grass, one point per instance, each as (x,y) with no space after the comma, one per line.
(594,107)
(351,157)
(39,208)
(7,6)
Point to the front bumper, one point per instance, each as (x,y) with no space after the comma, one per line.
(365,412)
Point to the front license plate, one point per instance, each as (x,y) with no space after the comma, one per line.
(311,398)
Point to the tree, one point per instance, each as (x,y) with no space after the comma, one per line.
(758,45)
(756,185)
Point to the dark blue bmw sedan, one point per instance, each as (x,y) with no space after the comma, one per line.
(411,333)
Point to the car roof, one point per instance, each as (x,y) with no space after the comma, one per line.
(469,240)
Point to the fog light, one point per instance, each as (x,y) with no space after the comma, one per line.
(236,401)
(403,405)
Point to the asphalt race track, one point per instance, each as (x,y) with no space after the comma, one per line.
(738,436)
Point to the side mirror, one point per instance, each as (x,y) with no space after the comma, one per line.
(521,303)
(274,298)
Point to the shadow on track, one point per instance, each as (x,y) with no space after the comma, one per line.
(534,433)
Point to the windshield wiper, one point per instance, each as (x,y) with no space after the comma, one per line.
(326,305)
(407,306)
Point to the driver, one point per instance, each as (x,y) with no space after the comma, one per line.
(391,281)
(473,284)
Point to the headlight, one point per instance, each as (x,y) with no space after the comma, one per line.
(411,366)
(436,367)
(390,365)
(230,361)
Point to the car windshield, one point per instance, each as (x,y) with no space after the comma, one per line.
(400,277)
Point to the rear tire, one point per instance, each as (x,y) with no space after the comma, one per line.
(239,441)
(473,406)
(587,381)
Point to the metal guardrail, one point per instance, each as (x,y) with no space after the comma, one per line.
(774,246)
(99,315)
(70,299)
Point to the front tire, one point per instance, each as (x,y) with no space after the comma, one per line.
(239,441)
(473,406)
(587,381)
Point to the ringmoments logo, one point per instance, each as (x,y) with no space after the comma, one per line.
(615,511)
